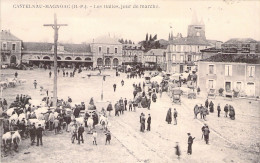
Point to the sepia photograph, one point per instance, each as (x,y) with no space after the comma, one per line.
(130,81)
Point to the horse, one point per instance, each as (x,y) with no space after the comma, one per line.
(90,124)
(16,139)
(7,140)
(103,122)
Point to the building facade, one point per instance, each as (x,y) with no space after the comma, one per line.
(132,54)
(184,52)
(106,51)
(155,58)
(231,76)
(11,48)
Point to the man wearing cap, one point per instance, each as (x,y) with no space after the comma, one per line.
(190,142)
(149,119)
(39,131)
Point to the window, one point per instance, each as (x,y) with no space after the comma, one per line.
(182,58)
(211,69)
(178,48)
(173,58)
(4,58)
(115,50)
(189,57)
(13,47)
(4,45)
(99,49)
(238,86)
(251,71)
(228,70)
(211,84)
(107,50)
(173,68)
(198,48)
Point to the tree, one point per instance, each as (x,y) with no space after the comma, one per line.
(126,42)
(130,42)
(146,38)
(154,37)
(150,39)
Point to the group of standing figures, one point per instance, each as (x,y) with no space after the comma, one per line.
(203,110)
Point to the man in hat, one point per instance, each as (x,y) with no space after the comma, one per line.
(39,132)
(219,109)
(35,84)
(226,110)
(108,137)
(190,142)
(6,123)
(80,134)
(32,131)
(205,132)
(175,114)
(149,120)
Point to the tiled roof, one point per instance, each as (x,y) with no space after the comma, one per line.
(132,46)
(189,41)
(155,52)
(43,47)
(240,40)
(6,35)
(232,58)
(213,50)
(77,48)
(106,40)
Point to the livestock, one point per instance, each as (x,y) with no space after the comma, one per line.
(16,139)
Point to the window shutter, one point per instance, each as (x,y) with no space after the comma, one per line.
(230,70)
(248,70)
(214,67)
(208,69)
(253,71)
(214,84)
(226,70)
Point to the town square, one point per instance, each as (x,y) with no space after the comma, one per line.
(184,97)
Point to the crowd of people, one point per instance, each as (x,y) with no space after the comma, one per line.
(58,119)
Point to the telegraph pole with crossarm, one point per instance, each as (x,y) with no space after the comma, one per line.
(56,27)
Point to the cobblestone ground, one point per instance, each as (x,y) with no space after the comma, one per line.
(230,141)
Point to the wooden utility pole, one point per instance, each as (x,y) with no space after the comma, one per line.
(56,27)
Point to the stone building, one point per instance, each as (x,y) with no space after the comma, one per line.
(132,54)
(232,75)
(106,51)
(11,48)
(155,58)
(184,52)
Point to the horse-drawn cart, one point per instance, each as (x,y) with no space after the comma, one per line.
(176,96)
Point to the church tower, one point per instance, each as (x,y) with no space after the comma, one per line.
(197,28)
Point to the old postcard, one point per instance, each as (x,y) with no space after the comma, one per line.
(114,81)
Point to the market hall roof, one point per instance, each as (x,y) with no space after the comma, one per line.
(44,47)
(8,36)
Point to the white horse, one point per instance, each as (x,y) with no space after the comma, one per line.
(103,121)
(16,139)
(90,123)
(7,140)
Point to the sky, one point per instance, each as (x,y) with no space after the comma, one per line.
(223,19)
